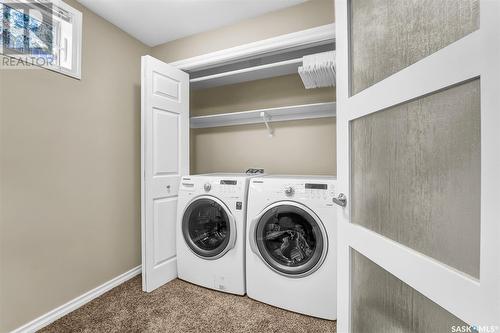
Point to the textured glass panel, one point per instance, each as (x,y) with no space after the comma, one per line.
(380,302)
(389,35)
(416,175)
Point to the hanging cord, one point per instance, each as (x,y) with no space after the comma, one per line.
(253,171)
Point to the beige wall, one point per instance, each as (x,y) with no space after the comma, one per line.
(310,144)
(298,147)
(310,14)
(70,158)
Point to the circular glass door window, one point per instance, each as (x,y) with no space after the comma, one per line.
(206,228)
(290,240)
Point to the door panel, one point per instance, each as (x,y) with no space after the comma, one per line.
(166,87)
(383,303)
(416,174)
(418,162)
(166,142)
(389,35)
(165,159)
(164,210)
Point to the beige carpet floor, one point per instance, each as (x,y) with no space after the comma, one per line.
(181,307)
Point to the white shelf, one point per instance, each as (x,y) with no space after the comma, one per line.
(315,36)
(295,112)
(247,74)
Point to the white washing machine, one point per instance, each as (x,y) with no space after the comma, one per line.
(211,226)
(291,249)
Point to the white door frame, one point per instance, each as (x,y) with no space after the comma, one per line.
(164,160)
(477,302)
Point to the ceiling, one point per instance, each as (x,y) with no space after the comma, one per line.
(154,22)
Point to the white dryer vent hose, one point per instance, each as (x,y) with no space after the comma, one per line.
(318,70)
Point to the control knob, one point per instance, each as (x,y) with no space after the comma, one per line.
(289,191)
(207,187)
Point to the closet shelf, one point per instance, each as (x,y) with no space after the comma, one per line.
(247,74)
(295,112)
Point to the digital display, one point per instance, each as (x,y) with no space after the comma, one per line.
(228,182)
(317,186)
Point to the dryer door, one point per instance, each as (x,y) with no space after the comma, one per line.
(289,238)
(208,227)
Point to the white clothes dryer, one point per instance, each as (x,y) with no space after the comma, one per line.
(291,250)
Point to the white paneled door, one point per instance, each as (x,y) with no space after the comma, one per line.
(418,115)
(165,159)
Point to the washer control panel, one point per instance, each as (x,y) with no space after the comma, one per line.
(230,187)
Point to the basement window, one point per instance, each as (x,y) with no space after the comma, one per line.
(41,33)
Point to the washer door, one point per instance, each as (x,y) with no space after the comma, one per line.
(208,227)
(289,238)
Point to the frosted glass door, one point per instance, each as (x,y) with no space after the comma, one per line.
(417,99)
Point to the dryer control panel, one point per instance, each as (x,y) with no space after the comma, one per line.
(309,190)
(320,190)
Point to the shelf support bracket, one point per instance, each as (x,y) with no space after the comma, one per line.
(267,118)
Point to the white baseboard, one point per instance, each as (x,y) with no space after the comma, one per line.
(74,304)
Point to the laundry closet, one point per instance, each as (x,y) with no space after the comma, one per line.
(266,105)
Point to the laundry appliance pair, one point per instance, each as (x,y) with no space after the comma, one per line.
(271,237)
